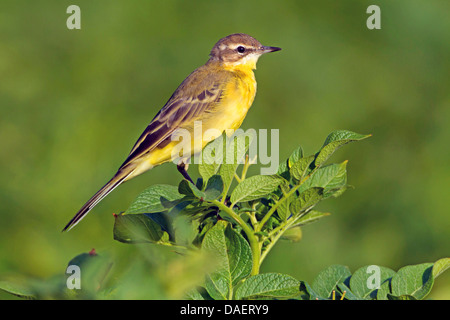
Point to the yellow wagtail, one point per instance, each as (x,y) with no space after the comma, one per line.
(218,94)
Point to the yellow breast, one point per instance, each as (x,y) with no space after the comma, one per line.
(229,113)
(237,99)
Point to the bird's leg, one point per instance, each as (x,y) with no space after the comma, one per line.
(182,168)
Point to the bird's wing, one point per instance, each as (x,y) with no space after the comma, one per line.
(195,96)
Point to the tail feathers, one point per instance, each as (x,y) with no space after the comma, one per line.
(103,192)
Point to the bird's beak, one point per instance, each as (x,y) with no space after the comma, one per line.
(265,49)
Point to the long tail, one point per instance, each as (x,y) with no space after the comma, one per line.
(120,177)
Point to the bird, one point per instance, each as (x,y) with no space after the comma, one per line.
(218,95)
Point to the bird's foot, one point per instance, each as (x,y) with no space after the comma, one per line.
(182,168)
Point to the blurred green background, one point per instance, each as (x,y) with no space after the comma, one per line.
(73,102)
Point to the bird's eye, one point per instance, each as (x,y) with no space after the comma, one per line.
(240,49)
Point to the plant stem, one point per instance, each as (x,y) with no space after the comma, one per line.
(278,232)
(245,168)
(252,238)
(285,196)
(275,207)
(270,246)
(274,237)
(253,220)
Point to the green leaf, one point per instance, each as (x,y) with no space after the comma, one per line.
(345,292)
(309,293)
(403,297)
(162,219)
(310,217)
(255,187)
(328,279)
(233,255)
(293,234)
(136,228)
(283,211)
(189,189)
(440,266)
(212,158)
(283,170)
(306,200)
(283,208)
(331,178)
(270,285)
(227,172)
(415,281)
(214,188)
(197,294)
(364,280)
(338,191)
(334,141)
(184,230)
(412,282)
(296,155)
(188,207)
(17,289)
(236,148)
(217,286)
(93,270)
(384,290)
(300,168)
(152,199)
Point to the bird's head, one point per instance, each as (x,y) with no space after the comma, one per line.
(239,49)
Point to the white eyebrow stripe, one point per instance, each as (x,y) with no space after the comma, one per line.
(234,46)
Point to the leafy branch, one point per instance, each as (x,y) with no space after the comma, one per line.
(233,221)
